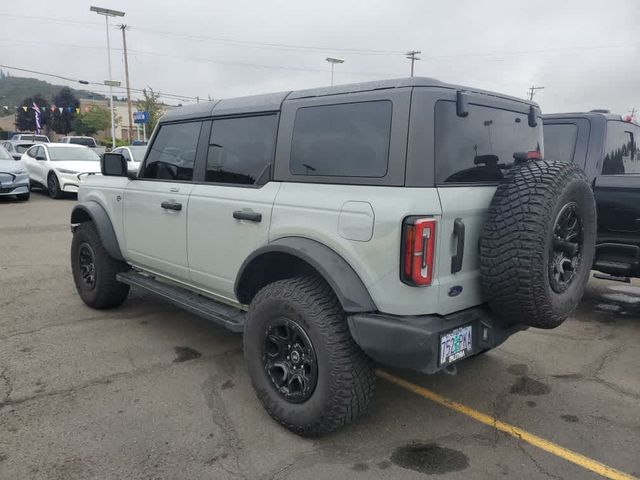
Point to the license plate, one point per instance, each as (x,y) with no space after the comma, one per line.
(455,345)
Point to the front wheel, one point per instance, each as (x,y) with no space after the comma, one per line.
(53,186)
(94,271)
(307,371)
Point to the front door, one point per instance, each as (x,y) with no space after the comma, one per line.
(155,204)
(230,208)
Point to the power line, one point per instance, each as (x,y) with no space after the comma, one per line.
(87,82)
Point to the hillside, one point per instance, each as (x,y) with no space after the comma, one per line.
(13,90)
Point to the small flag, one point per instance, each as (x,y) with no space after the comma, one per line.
(25,108)
(52,108)
(6,107)
(77,111)
(60,109)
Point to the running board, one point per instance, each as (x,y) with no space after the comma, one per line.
(615,278)
(225,315)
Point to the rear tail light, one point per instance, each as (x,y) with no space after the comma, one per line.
(418,246)
(534,155)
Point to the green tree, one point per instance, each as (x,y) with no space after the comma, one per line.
(92,121)
(150,103)
(62,122)
(26,119)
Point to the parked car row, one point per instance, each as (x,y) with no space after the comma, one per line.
(57,168)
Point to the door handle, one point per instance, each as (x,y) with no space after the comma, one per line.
(171,205)
(247,215)
(458,231)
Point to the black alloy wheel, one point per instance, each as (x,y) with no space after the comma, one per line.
(566,248)
(289,360)
(87,264)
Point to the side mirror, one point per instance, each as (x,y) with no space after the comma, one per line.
(17,156)
(113,165)
(40,157)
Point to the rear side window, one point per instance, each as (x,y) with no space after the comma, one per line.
(621,154)
(241,149)
(560,141)
(173,152)
(346,140)
(479,148)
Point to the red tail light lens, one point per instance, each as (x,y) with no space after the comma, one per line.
(534,155)
(418,247)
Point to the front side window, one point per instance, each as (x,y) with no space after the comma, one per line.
(560,141)
(173,152)
(344,140)
(241,149)
(480,147)
(4,155)
(621,155)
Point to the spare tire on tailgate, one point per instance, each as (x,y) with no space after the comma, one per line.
(538,243)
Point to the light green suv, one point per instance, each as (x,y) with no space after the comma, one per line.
(407,222)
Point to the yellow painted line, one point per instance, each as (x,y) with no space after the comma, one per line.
(555,449)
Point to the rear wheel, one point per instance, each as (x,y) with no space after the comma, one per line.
(53,186)
(538,243)
(306,369)
(94,271)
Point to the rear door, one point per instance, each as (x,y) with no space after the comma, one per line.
(230,207)
(155,203)
(472,154)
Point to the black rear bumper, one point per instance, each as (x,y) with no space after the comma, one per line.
(413,342)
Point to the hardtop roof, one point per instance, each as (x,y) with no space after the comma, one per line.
(273,101)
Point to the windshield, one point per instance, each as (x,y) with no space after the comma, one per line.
(560,141)
(480,147)
(138,152)
(72,154)
(4,155)
(86,141)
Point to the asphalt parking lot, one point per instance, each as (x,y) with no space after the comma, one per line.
(147,391)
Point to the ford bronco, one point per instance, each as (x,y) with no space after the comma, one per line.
(408,222)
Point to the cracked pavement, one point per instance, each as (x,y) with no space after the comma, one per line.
(147,391)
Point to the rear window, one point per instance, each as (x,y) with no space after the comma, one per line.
(621,151)
(87,142)
(560,141)
(479,148)
(346,140)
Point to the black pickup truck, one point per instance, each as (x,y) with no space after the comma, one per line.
(605,146)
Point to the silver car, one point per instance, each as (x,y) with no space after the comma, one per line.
(14,178)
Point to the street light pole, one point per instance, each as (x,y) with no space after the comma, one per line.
(126,77)
(333,61)
(109,13)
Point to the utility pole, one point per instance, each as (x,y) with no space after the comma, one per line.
(413,56)
(532,91)
(126,78)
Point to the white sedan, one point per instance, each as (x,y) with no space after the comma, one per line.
(60,167)
(133,154)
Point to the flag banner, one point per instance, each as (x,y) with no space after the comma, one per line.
(6,107)
(25,108)
(36,111)
(52,108)
(77,111)
(60,109)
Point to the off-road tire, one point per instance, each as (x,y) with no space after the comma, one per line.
(518,237)
(53,186)
(106,292)
(23,197)
(345,379)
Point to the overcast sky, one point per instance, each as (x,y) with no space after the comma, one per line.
(585,52)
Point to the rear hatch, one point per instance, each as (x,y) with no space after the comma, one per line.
(474,149)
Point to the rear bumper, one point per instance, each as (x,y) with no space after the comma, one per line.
(414,342)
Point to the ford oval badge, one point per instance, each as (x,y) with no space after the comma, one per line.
(455,290)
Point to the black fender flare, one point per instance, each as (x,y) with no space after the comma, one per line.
(91,211)
(345,282)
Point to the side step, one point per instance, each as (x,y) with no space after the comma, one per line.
(225,315)
(606,276)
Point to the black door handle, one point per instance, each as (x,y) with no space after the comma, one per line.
(171,205)
(247,215)
(458,231)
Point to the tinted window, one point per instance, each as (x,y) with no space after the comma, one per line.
(560,141)
(88,142)
(479,148)
(173,152)
(348,140)
(621,155)
(241,149)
